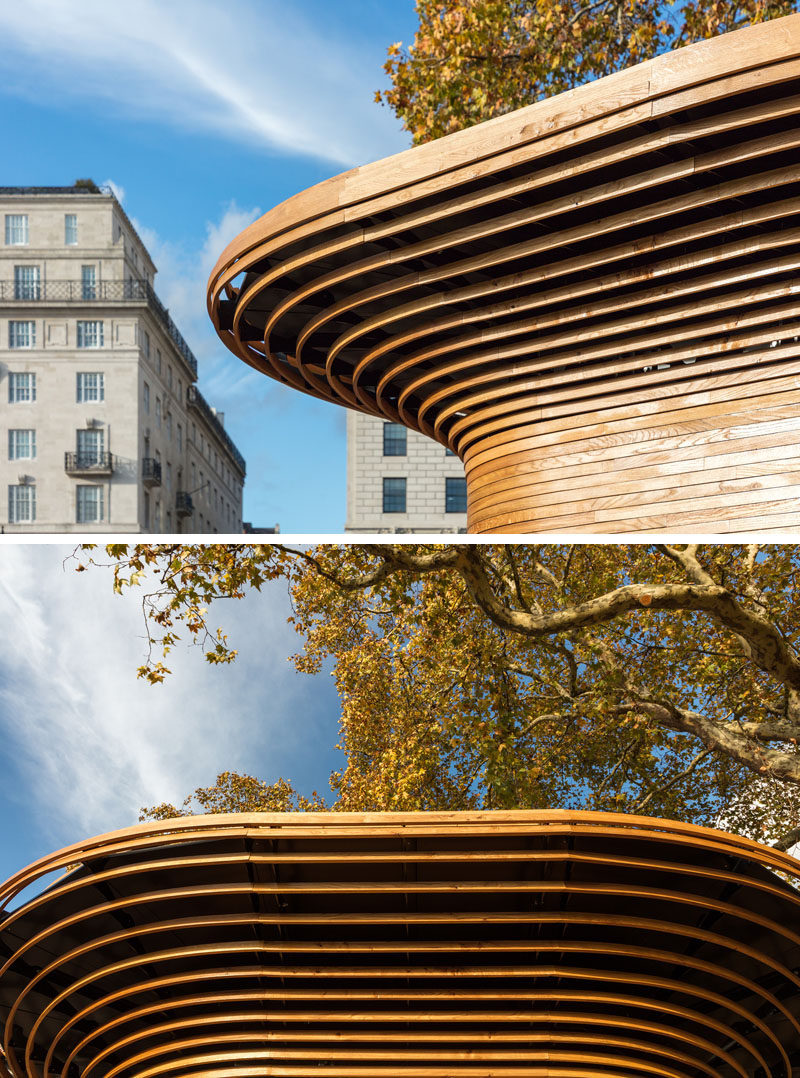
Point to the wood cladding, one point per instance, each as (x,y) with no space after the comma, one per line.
(516,944)
(593,301)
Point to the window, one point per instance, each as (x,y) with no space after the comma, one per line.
(146,344)
(21,444)
(21,388)
(90,447)
(169,475)
(158,411)
(22,504)
(90,334)
(158,360)
(70,229)
(147,510)
(455,495)
(21,334)
(169,377)
(16,229)
(157,517)
(88,282)
(394,440)
(90,387)
(27,282)
(146,397)
(180,438)
(194,475)
(89,504)
(169,426)
(394,495)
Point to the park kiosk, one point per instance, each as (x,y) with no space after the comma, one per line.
(514,944)
(593,300)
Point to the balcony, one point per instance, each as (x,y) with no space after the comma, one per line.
(151,472)
(88,464)
(183,504)
(78,291)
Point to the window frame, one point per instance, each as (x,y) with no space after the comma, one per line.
(395,440)
(22,222)
(14,440)
(391,498)
(14,388)
(26,290)
(70,230)
(89,339)
(460,496)
(13,340)
(14,500)
(81,506)
(81,388)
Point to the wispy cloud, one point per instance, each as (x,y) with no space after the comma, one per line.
(259,71)
(183,270)
(91,744)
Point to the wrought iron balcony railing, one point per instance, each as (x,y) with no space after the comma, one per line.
(184,507)
(88,463)
(151,472)
(78,291)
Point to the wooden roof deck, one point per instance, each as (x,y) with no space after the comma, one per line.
(592,300)
(421,945)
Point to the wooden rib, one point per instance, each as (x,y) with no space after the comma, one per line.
(290,1036)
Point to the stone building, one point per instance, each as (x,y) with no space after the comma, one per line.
(401,481)
(104,428)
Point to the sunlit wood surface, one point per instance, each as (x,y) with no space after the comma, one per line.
(427,945)
(592,300)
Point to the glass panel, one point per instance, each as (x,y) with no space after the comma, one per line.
(70,229)
(90,334)
(16,229)
(90,448)
(394,495)
(88,282)
(394,440)
(21,387)
(455,496)
(21,334)
(27,282)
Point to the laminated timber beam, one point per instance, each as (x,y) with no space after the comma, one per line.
(594,300)
(519,944)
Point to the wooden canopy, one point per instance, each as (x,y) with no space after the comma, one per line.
(419,945)
(592,300)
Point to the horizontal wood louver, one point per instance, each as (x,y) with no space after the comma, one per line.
(593,300)
(419,945)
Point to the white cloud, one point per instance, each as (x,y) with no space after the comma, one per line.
(117,188)
(183,271)
(258,71)
(92,744)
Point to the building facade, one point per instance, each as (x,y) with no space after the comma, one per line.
(104,428)
(401,481)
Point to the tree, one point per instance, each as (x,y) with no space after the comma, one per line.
(474,59)
(656,679)
(233,792)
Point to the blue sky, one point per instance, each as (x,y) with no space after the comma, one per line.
(204,115)
(84,744)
